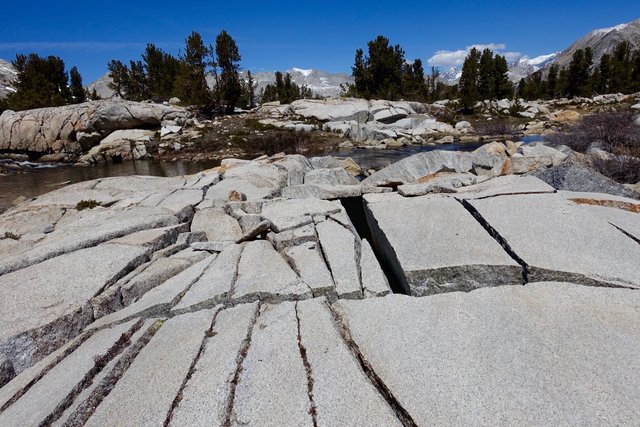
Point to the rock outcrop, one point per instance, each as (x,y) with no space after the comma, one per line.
(367,122)
(223,298)
(74,128)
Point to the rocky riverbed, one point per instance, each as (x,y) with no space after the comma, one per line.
(447,287)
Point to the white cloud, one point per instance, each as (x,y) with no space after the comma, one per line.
(455,58)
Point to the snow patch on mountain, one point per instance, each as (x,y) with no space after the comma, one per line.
(603,31)
(8,77)
(305,73)
(542,60)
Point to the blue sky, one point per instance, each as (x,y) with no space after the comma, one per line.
(280,35)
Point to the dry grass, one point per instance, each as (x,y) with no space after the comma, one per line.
(631,207)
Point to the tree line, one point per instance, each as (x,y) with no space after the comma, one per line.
(385,73)
(159,75)
(484,76)
(43,82)
(618,72)
(284,90)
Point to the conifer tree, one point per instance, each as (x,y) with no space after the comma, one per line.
(468,85)
(137,89)
(191,85)
(119,75)
(601,83)
(385,74)
(42,82)
(552,81)
(251,90)
(228,58)
(486,76)
(161,69)
(503,86)
(285,90)
(359,73)
(620,68)
(77,91)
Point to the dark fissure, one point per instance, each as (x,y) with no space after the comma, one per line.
(355,208)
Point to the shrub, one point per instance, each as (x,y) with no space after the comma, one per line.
(286,141)
(496,127)
(622,169)
(614,131)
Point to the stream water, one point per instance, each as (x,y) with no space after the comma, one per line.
(40,179)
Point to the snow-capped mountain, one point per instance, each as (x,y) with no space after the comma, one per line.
(526,66)
(517,69)
(451,76)
(8,76)
(320,82)
(602,41)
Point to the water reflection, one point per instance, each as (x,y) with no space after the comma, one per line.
(372,158)
(34,182)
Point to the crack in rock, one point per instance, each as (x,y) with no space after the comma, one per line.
(626,233)
(84,411)
(313,410)
(100,362)
(242,355)
(498,238)
(343,329)
(79,340)
(208,334)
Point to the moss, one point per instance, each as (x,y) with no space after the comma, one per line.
(87,204)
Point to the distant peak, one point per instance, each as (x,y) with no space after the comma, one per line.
(538,60)
(305,73)
(610,29)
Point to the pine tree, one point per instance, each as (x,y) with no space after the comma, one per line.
(137,89)
(486,76)
(601,84)
(160,69)
(432,84)
(119,75)
(285,90)
(620,68)
(191,85)
(77,91)
(552,81)
(359,73)
(468,85)
(522,88)
(251,90)
(228,58)
(42,82)
(575,81)
(503,86)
